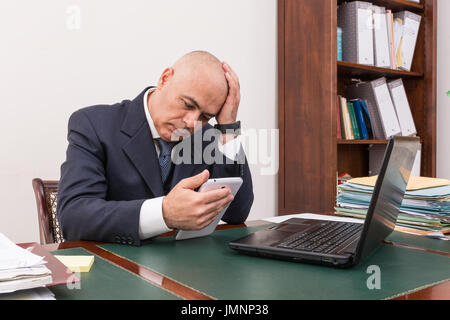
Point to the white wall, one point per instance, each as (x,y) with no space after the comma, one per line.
(48,70)
(443,85)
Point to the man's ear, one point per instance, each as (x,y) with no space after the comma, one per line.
(165,77)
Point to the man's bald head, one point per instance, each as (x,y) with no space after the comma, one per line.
(193,89)
(202,67)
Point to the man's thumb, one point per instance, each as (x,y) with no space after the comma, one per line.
(196,181)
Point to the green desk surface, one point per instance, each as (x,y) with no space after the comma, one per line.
(211,267)
(420,242)
(106,281)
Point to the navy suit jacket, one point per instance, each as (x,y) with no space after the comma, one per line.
(111,168)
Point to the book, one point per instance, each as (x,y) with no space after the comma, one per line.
(338,118)
(390,29)
(354,123)
(346,118)
(339,44)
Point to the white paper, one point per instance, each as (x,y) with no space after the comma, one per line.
(312,216)
(398,33)
(41,293)
(13,256)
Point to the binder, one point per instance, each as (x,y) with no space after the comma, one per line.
(400,100)
(383,118)
(355,19)
(410,29)
(357,106)
(366,117)
(381,38)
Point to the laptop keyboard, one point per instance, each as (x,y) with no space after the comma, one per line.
(325,239)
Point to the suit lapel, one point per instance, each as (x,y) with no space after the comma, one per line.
(140,149)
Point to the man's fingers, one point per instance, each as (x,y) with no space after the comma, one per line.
(218,205)
(214,195)
(232,74)
(195,181)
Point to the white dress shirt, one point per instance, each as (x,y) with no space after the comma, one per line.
(151,221)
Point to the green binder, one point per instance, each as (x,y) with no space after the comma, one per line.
(355,129)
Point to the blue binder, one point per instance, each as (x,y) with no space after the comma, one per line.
(360,119)
(367,119)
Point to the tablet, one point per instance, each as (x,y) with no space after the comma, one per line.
(212,184)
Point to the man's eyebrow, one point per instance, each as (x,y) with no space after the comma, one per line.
(195,103)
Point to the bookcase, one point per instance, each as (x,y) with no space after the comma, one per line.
(310,78)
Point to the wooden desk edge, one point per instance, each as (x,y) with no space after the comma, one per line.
(436,292)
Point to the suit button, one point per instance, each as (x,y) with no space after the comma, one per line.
(117,239)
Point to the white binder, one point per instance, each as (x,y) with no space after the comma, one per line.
(386,108)
(383,118)
(401,104)
(355,19)
(407,43)
(381,38)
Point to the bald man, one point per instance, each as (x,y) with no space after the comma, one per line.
(120,182)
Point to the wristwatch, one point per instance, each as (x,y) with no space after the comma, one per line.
(229,128)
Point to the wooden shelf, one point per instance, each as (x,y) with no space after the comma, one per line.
(362,141)
(349,69)
(396,5)
(310,78)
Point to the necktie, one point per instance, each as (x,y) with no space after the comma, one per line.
(165,161)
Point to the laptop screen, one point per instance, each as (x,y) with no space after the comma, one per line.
(388,193)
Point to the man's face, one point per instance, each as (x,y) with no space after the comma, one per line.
(185,99)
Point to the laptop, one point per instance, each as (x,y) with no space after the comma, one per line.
(341,244)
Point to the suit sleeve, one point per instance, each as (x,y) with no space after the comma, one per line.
(83,211)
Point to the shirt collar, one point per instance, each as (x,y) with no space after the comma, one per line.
(153,130)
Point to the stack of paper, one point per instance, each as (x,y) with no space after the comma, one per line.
(425,209)
(20,269)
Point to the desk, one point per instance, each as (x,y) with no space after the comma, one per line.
(434,292)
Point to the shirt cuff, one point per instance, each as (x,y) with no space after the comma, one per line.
(151,221)
(231,148)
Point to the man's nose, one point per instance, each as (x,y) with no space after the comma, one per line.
(191,118)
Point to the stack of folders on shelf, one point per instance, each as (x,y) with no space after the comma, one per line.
(20,269)
(373,35)
(425,209)
(374,110)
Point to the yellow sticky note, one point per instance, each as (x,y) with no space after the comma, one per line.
(77,263)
